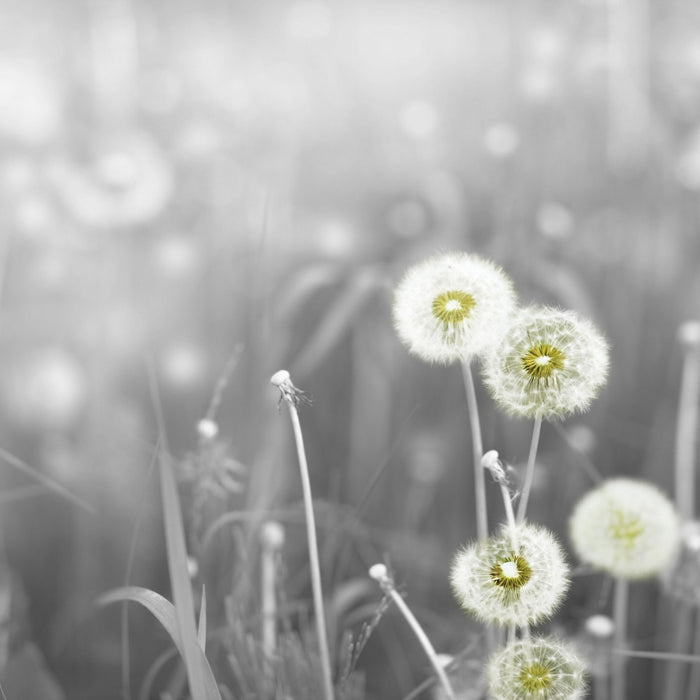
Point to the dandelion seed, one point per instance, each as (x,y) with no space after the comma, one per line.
(551,363)
(626,527)
(452,307)
(499,584)
(536,669)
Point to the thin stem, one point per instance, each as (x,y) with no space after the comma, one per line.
(482,526)
(685,434)
(313,555)
(423,639)
(530,469)
(694,679)
(675,672)
(272,538)
(620,602)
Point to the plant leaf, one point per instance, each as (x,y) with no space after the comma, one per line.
(202,628)
(164,611)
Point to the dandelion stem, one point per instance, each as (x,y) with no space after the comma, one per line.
(620,602)
(675,672)
(694,677)
(685,431)
(530,469)
(289,394)
(482,526)
(272,538)
(379,573)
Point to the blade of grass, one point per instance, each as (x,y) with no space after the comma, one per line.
(47,481)
(195,664)
(202,627)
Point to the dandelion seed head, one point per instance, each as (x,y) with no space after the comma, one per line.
(505,584)
(626,527)
(551,363)
(452,307)
(535,669)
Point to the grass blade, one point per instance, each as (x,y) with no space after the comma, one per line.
(177,565)
(202,628)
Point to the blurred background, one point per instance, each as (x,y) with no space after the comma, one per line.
(215,190)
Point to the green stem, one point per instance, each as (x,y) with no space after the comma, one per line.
(313,555)
(530,469)
(482,526)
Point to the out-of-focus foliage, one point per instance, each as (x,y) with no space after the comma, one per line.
(178,180)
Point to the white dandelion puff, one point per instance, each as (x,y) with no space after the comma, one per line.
(505,584)
(536,669)
(452,307)
(626,527)
(551,363)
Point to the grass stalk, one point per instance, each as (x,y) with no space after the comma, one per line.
(379,573)
(529,469)
(619,667)
(291,396)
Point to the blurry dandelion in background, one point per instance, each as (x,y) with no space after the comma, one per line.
(182,183)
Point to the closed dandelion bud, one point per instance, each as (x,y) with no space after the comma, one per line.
(505,584)
(536,669)
(452,307)
(551,363)
(627,528)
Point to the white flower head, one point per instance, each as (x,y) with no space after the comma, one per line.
(506,584)
(627,528)
(551,363)
(536,669)
(452,307)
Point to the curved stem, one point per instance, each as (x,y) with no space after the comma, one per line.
(482,526)
(530,469)
(313,556)
(424,641)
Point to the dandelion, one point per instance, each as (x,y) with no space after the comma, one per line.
(293,396)
(536,669)
(452,307)
(518,577)
(626,527)
(552,363)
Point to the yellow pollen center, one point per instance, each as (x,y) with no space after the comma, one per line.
(511,574)
(625,528)
(535,677)
(541,361)
(452,307)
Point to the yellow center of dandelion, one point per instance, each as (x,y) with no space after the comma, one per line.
(542,360)
(452,307)
(625,528)
(511,574)
(535,677)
